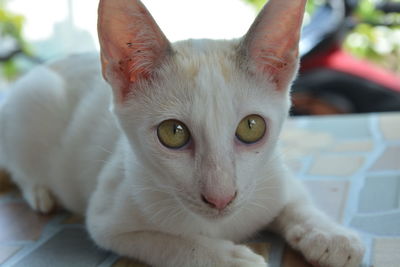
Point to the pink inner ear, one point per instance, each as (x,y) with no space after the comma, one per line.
(272,41)
(279,68)
(132,44)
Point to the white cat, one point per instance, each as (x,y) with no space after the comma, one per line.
(184,163)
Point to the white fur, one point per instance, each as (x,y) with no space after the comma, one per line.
(62,143)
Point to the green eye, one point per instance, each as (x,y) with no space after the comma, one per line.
(251,129)
(173,134)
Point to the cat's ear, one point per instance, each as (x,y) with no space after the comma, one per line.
(270,47)
(132,45)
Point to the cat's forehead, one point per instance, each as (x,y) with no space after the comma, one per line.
(212,73)
(202,57)
(205,83)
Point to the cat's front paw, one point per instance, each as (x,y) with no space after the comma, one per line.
(39,198)
(331,247)
(239,256)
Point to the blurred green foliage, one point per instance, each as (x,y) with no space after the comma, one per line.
(376,35)
(258,4)
(11,27)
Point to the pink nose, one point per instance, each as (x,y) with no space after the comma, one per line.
(218,202)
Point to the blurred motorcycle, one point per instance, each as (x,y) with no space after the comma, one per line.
(331,81)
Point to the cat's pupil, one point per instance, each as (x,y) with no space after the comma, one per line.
(251,123)
(178,129)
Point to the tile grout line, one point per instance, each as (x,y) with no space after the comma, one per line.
(356,184)
(52,227)
(25,251)
(358,179)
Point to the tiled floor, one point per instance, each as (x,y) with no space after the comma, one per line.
(350,164)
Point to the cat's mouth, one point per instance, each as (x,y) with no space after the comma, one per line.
(219,214)
(200,208)
(214,215)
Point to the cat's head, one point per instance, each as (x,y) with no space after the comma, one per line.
(203,116)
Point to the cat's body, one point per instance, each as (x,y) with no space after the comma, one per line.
(64,140)
(52,96)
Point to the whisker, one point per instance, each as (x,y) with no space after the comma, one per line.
(259,206)
(173,215)
(154,204)
(104,149)
(160,211)
(263,198)
(259,189)
(150,189)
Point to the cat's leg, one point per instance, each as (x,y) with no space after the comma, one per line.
(38,196)
(162,249)
(115,224)
(322,241)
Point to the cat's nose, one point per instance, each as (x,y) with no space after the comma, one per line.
(218,202)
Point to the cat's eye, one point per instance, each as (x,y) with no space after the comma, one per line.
(251,129)
(173,134)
